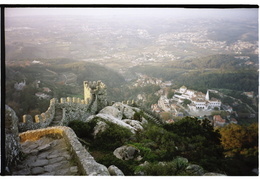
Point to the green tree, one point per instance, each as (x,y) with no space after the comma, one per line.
(186,102)
(170,94)
(198,142)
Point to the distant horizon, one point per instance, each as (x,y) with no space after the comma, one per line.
(226,13)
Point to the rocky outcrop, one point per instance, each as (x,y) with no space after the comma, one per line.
(12,141)
(115,114)
(214,174)
(195,170)
(99,128)
(110,110)
(127,111)
(112,119)
(127,153)
(114,171)
(135,124)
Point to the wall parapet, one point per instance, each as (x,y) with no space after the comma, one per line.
(86,163)
(72,107)
(40,120)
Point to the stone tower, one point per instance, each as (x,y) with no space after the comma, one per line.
(95,94)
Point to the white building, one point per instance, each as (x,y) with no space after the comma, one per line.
(199,101)
(183,89)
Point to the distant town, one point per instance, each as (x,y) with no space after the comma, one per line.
(187,102)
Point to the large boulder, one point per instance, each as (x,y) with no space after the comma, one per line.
(127,152)
(12,140)
(128,111)
(195,170)
(136,124)
(99,128)
(112,119)
(110,110)
(114,171)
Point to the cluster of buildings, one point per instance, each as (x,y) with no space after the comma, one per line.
(144,80)
(199,100)
(198,38)
(240,46)
(165,105)
(40,95)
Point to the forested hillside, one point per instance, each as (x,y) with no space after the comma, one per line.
(63,77)
(217,71)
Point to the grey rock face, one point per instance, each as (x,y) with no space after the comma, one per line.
(112,119)
(195,170)
(99,128)
(114,171)
(135,124)
(213,174)
(39,163)
(37,170)
(12,141)
(127,111)
(126,152)
(112,111)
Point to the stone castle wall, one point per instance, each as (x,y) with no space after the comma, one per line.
(40,121)
(72,108)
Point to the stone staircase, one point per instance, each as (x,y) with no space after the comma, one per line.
(57,118)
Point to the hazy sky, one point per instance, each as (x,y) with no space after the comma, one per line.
(126,12)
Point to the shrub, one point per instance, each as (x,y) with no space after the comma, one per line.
(82,129)
(114,136)
(163,169)
(127,167)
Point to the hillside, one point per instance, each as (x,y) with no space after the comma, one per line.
(63,77)
(216,71)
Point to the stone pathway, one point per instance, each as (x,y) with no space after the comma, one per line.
(46,156)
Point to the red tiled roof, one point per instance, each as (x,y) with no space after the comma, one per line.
(218,118)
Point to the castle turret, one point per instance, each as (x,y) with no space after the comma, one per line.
(95,94)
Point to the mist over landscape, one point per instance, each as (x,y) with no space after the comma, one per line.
(160,59)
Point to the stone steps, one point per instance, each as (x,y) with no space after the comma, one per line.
(57,118)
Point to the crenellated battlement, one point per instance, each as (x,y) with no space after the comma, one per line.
(72,100)
(71,108)
(129,102)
